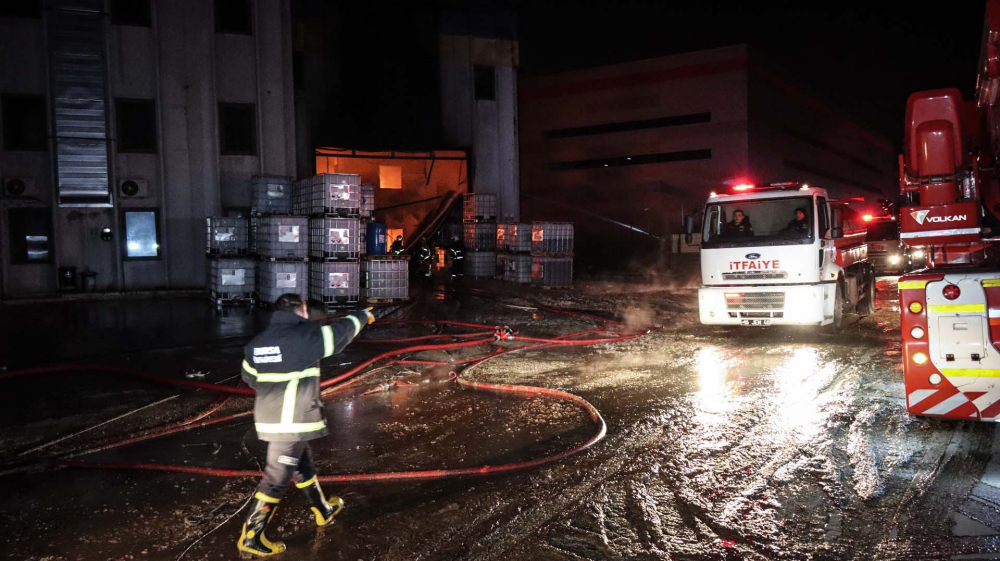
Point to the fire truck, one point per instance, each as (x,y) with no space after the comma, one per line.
(950,311)
(782,254)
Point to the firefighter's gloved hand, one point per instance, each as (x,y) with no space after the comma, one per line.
(366,316)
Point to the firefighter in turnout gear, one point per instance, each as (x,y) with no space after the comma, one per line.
(282,365)
(397,246)
(457,253)
(425,259)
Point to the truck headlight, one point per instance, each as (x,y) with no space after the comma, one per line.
(894,259)
(918,254)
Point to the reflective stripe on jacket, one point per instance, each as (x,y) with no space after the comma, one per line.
(282,365)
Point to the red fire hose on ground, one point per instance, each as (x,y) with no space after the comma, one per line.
(350,377)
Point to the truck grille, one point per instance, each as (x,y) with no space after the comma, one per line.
(755,300)
(756,275)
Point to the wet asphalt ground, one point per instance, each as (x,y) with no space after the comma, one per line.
(765,443)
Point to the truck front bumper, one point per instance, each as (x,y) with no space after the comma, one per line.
(780,305)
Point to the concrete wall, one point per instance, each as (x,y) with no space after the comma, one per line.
(187,68)
(487,128)
(795,135)
(648,196)
(24,70)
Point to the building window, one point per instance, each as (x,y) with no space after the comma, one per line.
(486,82)
(24,123)
(142,240)
(233,16)
(644,124)
(21,9)
(131,12)
(136,125)
(637,160)
(30,232)
(390,177)
(238,129)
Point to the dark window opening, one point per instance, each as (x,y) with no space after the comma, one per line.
(142,234)
(485,79)
(661,158)
(21,9)
(136,125)
(131,12)
(24,122)
(238,129)
(233,16)
(298,70)
(674,121)
(30,231)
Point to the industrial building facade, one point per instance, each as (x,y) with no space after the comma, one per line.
(632,147)
(125,123)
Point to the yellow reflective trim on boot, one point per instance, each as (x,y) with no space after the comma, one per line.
(274,548)
(262,497)
(338,505)
(305,484)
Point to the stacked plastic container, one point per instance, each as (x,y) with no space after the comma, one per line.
(331,203)
(385,278)
(230,269)
(279,241)
(552,254)
(514,252)
(479,215)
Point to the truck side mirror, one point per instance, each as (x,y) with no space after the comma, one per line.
(836,223)
(689,229)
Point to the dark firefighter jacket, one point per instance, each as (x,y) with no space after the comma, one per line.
(282,365)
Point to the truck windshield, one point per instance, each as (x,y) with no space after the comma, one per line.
(879,231)
(745,223)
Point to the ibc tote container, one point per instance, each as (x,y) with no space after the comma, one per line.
(481,264)
(275,278)
(552,271)
(386,278)
(335,282)
(479,207)
(502,236)
(552,238)
(367,200)
(333,193)
(334,238)
(283,237)
(300,193)
(226,236)
(480,236)
(231,279)
(518,268)
(271,194)
(519,237)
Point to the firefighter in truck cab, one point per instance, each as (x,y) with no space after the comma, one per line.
(282,365)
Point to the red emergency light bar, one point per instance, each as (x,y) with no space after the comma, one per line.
(867,218)
(743,187)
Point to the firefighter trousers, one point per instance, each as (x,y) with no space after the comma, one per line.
(286,461)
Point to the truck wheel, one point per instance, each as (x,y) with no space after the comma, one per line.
(866,306)
(838,314)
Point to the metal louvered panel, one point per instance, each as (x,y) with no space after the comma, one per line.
(757,275)
(755,300)
(76,55)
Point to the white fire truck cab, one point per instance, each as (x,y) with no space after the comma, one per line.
(779,254)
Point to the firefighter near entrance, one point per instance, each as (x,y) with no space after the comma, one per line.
(282,365)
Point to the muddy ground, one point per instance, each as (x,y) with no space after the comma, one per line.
(759,443)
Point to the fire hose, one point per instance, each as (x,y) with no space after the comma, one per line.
(353,375)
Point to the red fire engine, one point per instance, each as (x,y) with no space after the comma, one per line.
(950,310)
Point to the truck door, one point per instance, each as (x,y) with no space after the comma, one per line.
(826,246)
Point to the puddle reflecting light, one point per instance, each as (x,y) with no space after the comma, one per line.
(919,358)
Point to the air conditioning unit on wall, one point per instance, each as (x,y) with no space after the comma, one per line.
(18,188)
(133,188)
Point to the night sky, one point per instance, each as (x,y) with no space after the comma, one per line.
(866,57)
